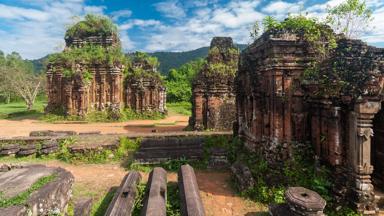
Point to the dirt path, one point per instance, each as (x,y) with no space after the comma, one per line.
(95,180)
(13,128)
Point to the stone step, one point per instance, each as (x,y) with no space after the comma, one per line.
(162,160)
(168,154)
(172,141)
(169,148)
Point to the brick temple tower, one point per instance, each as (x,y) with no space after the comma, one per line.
(213,97)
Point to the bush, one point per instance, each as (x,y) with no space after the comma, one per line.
(92,25)
(179,81)
(125,150)
(300,170)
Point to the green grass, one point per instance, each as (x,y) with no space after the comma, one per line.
(173,199)
(183,108)
(104,117)
(139,200)
(101,206)
(18,110)
(22,197)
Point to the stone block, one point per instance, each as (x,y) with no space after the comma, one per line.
(9,149)
(191,204)
(83,207)
(54,196)
(51,198)
(302,201)
(26,150)
(156,197)
(13,211)
(124,198)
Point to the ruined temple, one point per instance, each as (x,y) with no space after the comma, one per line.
(89,87)
(92,74)
(144,89)
(213,97)
(339,112)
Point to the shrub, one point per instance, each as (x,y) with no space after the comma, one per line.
(92,25)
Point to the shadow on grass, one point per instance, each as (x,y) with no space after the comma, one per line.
(31,114)
(101,207)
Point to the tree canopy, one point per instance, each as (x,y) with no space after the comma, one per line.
(17,78)
(352,18)
(179,81)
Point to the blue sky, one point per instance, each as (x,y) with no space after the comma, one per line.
(35,28)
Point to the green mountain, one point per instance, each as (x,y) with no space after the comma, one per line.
(168,60)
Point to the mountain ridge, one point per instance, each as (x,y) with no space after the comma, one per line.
(168,60)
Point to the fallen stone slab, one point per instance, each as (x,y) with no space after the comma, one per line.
(54,196)
(47,133)
(14,211)
(40,133)
(9,149)
(90,133)
(64,133)
(48,151)
(26,150)
(156,197)
(18,180)
(124,198)
(51,198)
(83,207)
(50,144)
(191,204)
(49,147)
(8,167)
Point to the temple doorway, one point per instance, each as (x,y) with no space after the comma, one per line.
(377,149)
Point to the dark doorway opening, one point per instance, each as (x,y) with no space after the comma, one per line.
(377,150)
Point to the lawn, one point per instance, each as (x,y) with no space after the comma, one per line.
(18,110)
(183,108)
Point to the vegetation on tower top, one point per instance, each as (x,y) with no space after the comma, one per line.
(92,25)
(143,66)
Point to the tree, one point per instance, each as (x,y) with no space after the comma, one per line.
(17,77)
(351,17)
(179,81)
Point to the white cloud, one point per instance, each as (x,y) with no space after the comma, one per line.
(10,12)
(282,8)
(37,32)
(233,19)
(139,23)
(171,9)
(126,42)
(375,35)
(116,15)
(94,9)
